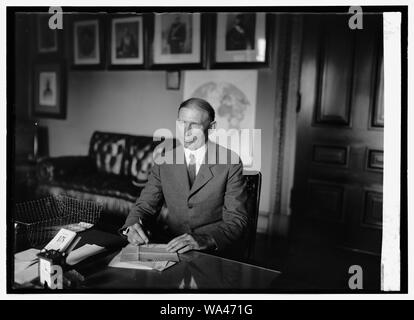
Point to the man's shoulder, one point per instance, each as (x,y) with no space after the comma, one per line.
(221,154)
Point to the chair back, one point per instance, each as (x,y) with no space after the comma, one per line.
(253,185)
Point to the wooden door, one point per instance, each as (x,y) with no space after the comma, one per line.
(337,193)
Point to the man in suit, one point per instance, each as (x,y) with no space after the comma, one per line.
(205,192)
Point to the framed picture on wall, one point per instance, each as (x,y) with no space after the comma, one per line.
(127,42)
(177,41)
(47,38)
(49,91)
(241,40)
(88,44)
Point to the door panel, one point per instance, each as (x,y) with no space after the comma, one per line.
(339,153)
(334,155)
(326,201)
(335,76)
(378,108)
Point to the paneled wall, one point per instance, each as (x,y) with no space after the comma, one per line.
(338,180)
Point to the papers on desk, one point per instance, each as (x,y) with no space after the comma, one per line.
(147,252)
(27,255)
(82,253)
(146,257)
(26,266)
(26,263)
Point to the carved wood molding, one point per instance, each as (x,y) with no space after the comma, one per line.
(284,136)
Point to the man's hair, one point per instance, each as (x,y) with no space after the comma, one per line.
(201,104)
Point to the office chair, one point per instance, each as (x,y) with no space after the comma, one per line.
(253,185)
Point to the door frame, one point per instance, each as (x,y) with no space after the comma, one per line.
(288,102)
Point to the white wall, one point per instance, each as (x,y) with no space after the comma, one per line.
(134,102)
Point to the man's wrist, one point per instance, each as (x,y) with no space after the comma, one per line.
(124,231)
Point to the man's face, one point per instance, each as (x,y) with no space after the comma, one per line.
(193,124)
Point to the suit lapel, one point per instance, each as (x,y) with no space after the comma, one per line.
(179,169)
(205,173)
(181,177)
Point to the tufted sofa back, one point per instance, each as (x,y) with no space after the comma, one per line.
(123,154)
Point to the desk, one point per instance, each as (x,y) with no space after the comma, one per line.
(196,270)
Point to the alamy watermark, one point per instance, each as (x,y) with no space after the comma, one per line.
(56,18)
(245,144)
(356,280)
(356,20)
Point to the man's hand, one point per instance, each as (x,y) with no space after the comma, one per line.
(136,234)
(187,242)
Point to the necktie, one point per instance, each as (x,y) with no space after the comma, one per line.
(192,170)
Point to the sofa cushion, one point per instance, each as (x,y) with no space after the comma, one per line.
(125,154)
(108,152)
(139,159)
(102,184)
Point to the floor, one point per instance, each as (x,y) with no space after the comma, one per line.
(307,267)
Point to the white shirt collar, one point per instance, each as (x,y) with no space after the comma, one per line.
(199,156)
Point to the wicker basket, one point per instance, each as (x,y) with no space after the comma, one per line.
(38,221)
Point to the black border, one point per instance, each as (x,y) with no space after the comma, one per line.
(10,164)
(404,123)
(261,309)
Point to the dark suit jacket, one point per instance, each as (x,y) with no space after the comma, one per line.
(215,205)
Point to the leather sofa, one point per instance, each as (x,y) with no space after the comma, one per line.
(113,173)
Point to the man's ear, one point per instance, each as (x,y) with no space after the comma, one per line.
(212,125)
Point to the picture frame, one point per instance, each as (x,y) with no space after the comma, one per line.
(48,41)
(88,43)
(177,41)
(127,42)
(241,40)
(49,90)
(173,80)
